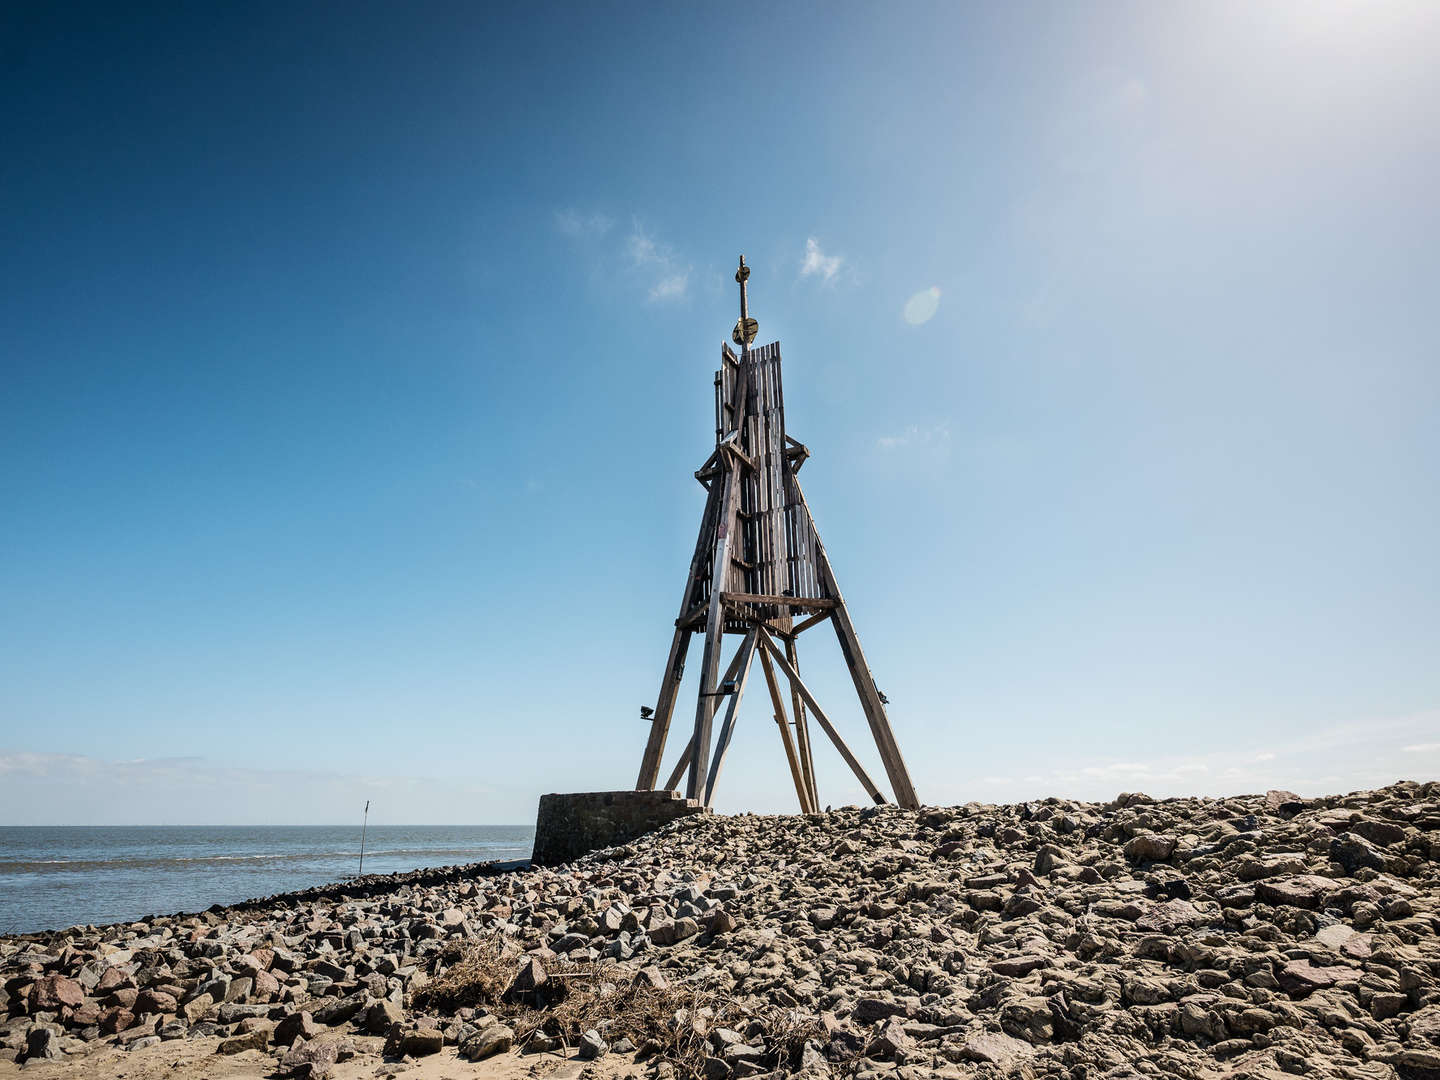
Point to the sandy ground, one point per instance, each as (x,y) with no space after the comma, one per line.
(196,1059)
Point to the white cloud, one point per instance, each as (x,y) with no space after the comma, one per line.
(1422,748)
(935,437)
(668,276)
(570,222)
(671,288)
(817,262)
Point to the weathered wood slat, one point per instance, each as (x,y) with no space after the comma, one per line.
(759,598)
(802,790)
(744,657)
(864,681)
(821,718)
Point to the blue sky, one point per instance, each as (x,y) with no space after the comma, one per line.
(356,359)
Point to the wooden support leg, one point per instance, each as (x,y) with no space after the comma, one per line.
(714,638)
(874,707)
(679,646)
(664,709)
(802,729)
(864,681)
(673,784)
(684,763)
(802,792)
(744,657)
(821,718)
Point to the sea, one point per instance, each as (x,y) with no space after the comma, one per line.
(53,877)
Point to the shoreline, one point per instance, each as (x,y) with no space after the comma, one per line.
(1188,937)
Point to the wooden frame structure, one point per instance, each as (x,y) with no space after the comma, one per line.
(760,572)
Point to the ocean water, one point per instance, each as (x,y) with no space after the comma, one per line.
(53,877)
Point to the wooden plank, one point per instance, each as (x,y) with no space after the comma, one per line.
(864,681)
(802,627)
(744,657)
(680,767)
(820,717)
(802,792)
(664,709)
(802,727)
(762,598)
(679,646)
(715,620)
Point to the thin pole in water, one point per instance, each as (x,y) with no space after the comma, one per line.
(364,822)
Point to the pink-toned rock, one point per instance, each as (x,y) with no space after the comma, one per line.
(1301,978)
(115,1020)
(1301,890)
(266,988)
(1171,916)
(113,979)
(53,992)
(155,1001)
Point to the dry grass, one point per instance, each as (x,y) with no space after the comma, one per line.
(672,1023)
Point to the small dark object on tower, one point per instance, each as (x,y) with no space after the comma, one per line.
(646,712)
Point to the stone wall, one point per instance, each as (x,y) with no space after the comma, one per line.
(569,825)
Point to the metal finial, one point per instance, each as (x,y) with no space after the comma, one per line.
(746,328)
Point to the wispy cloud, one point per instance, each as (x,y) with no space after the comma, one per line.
(817,263)
(669,278)
(573,223)
(1422,748)
(933,437)
(670,288)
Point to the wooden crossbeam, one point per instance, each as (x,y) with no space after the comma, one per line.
(802,791)
(820,717)
(800,628)
(802,728)
(806,602)
(864,681)
(744,657)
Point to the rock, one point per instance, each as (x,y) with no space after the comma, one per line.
(1284,802)
(670,933)
(1301,890)
(1354,853)
(1017,966)
(492,1038)
(381,1016)
(54,992)
(868,1009)
(1425,1025)
(41,1044)
(300,1025)
(1383,833)
(197,1008)
(892,1042)
(1171,916)
(1300,978)
(592,1046)
(311,1060)
(1147,848)
(257,1039)
(528,980)
(994,1048)
(155,1001)
(422,1042)
(115,1020)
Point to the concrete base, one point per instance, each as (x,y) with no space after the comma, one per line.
(570,825)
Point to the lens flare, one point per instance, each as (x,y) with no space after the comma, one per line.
(921,307)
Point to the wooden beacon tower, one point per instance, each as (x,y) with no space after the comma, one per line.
(760,573)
